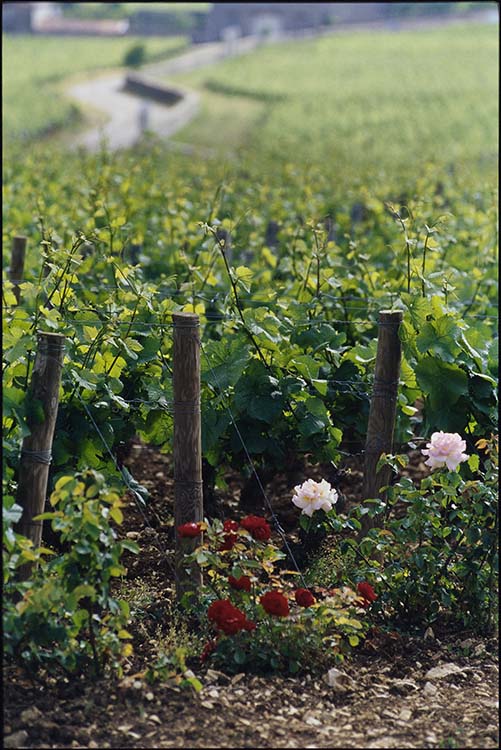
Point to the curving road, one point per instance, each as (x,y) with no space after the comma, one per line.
(123,109)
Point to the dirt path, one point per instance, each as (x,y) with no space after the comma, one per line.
(123,109)
(389,704)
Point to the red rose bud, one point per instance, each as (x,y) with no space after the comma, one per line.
(261,533)
(229,541)
(275,603)
(366,592)
(230,525)
(257,526)
(304,597)
(240,584)
(249,625)
(209,647)
(189,530)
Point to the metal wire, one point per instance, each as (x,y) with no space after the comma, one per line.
(257,477)
(137,497)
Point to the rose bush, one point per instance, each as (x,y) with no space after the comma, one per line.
(439,540)
(65,619)
(256,618)
(438,537)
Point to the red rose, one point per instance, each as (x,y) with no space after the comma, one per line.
(275,603)
(304,597)
(233,622)
(257,526)
(240,584)
(249,625)
(262,533)
(366,592)
(229,541)
(217,609)
(226,617)
(230,525)
(189,530)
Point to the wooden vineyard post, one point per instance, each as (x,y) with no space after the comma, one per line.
(16,269)
(37,447)
(382,410)
(188,485)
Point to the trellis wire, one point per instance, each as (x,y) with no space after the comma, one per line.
(137,497)
(226,317)
(274,517)
(211,297)
(168,406)
(139,500)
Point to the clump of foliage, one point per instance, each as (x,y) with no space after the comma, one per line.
(135,56)
(63,617)
(256,618)
(170,667)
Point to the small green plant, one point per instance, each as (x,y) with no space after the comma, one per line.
(450,742)
(256,619)
(135,56)
(170,667)
(65,617)
(328,565)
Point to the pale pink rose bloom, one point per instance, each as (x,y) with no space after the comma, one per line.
(311,496)
(445,449)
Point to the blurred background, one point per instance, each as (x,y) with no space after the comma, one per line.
(385,81)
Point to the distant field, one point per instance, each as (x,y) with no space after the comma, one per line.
(122,10)
(33,68)
(359,100)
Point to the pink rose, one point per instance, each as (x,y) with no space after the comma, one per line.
(445,449)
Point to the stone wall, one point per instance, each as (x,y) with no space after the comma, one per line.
(145,87)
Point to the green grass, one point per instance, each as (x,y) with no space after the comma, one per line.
(361,101)
(224,123)
(34,68)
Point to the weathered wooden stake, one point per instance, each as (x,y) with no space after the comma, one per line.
(16,269)
(382,410)
(188,486)
(37,447)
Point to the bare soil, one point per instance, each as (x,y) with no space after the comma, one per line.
(391,700)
